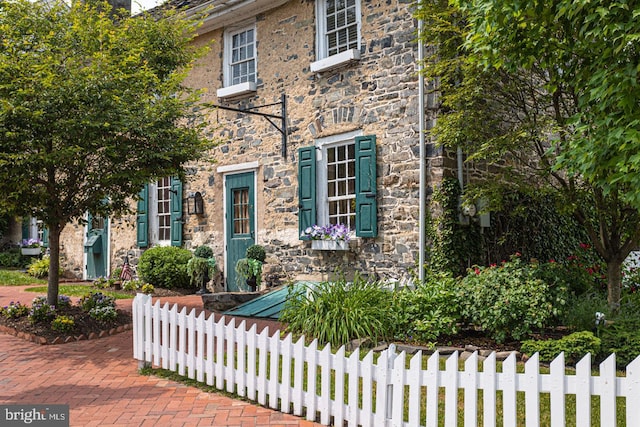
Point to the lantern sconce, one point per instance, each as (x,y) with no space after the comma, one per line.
(195,204)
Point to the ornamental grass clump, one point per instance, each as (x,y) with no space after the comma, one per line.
(338,312)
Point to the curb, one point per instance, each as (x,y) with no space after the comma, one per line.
(63,340)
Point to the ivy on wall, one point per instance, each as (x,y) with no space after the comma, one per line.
(534,226)
(454,246)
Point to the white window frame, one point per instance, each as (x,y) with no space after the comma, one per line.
(324,61)
(233,90)
(154,222)
(322,198)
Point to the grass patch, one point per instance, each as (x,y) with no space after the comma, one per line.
(17,278)
(81,290)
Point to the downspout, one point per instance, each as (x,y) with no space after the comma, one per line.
(460,169)
(423,163)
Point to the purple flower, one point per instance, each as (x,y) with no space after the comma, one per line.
(338,232)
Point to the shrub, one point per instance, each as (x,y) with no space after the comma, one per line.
(580,312)
(63,323)
(41,311)
(115,274)
(147,288)
(428,311)
(39,268)
(103,283)
(14,310)
(197,267)
(510,300)
(247,268)
(337,312)
(165,267)
(256,252)
(13,259)
(622,336)
(203,252)
(574,346)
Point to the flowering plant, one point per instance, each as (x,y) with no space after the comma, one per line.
(328,232)
(31,243)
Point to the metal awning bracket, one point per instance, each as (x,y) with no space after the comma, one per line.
(271,118)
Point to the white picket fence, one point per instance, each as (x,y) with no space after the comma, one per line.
(335,389)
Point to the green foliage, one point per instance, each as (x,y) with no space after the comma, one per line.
(197,267)
(132,285)
(14,310)
(574,346)
(115,274)
(429,311)
(63,323)
(103,283)
(581,309)
(536,224)
(247,268)
(338,312)
(103,313)
(256,252)
(93,107)
(512,299)
(203,252)
(96,300)
(41,311)
(17,278)
(165,267)
(541,92)
(39,268)
(147,288)
(622,335)
(453,245)
(13,259)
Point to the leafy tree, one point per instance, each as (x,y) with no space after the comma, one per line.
(547,91)
(92,107)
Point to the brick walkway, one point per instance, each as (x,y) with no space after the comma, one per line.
(99,380)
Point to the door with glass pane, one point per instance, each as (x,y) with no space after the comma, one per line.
(240,223)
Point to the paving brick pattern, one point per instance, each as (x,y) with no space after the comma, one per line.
(100,382)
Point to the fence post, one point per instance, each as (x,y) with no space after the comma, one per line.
(138,312)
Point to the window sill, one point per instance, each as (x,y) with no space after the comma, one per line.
(329,245)
(236,90)
(335,61)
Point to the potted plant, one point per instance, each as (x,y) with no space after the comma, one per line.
(32,247)
(249,269)
(329,237)
(201,267)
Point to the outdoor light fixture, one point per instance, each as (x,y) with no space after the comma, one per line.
(195,204)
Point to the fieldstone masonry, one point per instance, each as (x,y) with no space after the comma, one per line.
(378,95)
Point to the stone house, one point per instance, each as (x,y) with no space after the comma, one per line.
(337,141)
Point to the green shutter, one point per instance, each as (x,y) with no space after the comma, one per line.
(366,203)
(142,219)
(45,237)
(176,212)
(306,188)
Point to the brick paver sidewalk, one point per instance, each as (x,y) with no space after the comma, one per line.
(100,382)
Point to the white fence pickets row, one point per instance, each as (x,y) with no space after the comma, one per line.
(335,389)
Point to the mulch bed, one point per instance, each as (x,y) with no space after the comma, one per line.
(85,327)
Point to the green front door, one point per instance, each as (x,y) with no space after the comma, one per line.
(240,224)
(95,247)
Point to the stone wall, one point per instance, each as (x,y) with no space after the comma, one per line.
(377,95)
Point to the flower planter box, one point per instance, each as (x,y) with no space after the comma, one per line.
(31,251)
(329,245)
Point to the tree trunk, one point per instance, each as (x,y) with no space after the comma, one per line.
(54,264)
(614,284)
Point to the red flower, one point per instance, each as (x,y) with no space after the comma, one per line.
(585,246)
(518,254)
(476,270)
(552,261)
(493,265)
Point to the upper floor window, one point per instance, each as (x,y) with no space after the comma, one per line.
(239,62)
(338,33)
